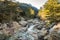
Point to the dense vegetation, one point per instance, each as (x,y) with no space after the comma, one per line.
(12,11)
(50,11)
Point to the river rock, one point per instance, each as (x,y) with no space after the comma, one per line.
(22,19)
(10,28)
(46,37)
(34,35)
(16,26)
(31,20)
(55,32)
(43,32)
(36,21)
(23,23)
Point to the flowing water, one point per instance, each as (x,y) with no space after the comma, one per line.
(30,29)
(24,35)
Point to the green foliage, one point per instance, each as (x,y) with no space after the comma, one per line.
(7,10)
(10,11)
(28,12)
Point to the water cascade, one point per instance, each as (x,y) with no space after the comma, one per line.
(24,35)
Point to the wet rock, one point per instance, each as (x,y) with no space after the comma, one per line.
(55,32)
(21,35)
(39,32)
(1,28)
(46,37)
(34,34)
(31,20)
(36,21)
(42,32)
(22,19)
(9,29)
(16,26)
(4,25)
(23,23)
(0,24)
(39,27)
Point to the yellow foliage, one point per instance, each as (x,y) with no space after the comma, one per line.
(19,10)
(51,11)
(32,11)
(43,14)
(12,4)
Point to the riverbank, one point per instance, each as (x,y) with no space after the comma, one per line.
(32,29)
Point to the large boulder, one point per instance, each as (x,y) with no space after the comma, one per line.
(42,33)
(16,26)
(31,20)
(9,28)
(55,32)
(23,23)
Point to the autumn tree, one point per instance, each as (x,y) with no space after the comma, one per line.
(53,10)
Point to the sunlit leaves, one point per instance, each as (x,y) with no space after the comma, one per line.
(43,13)
(32,11)
(53,13)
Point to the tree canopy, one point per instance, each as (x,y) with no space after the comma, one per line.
(51,11)
(10,10)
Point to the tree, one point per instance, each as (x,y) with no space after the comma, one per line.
(8,10)
(54,10)
(28,10)
(43,13)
